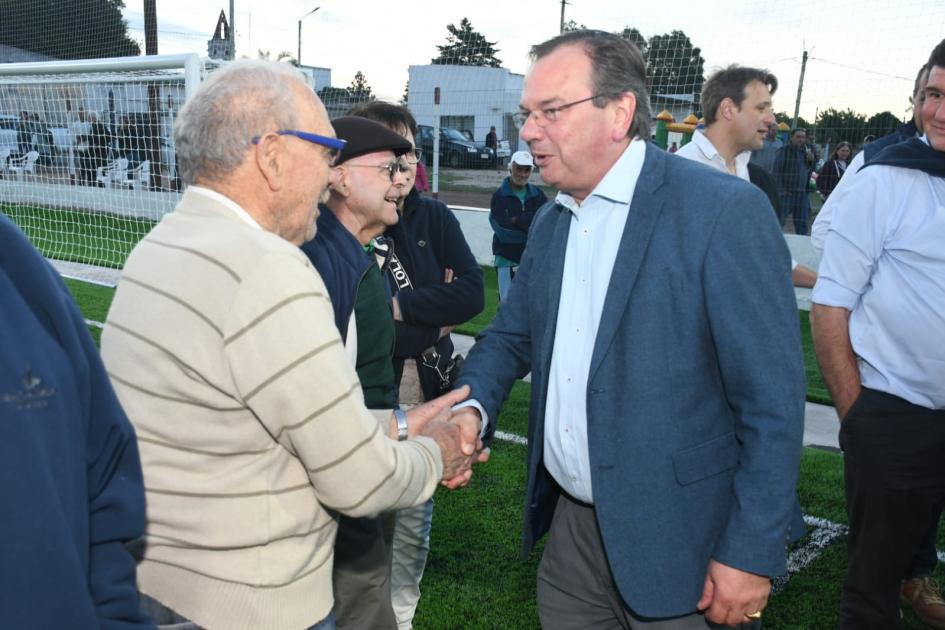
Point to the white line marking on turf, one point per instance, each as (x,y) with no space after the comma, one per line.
(511,437)
(93,323)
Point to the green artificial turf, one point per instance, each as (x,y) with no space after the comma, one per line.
(478,323)
(816,388)
(95,238)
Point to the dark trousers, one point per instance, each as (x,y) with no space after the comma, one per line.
(576,590)
(361,574)
(894,467)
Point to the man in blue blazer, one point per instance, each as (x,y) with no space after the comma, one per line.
(654,309)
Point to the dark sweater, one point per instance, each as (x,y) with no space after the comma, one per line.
(510,218)
(428,240)
(72,489)
(355,285)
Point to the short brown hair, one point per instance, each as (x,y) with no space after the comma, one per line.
(731,82)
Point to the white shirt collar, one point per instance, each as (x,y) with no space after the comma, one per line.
(711,153)
(227,202)
(619,182)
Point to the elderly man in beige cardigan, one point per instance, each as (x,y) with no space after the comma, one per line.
(222,348)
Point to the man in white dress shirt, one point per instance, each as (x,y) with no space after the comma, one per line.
(738,114)
(879,322)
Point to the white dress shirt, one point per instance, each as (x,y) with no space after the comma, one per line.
(597,226)
(884,260)
(701,149)
(818,231)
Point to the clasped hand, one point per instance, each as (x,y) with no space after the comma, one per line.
(455,432)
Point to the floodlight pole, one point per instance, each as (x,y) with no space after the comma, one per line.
(298,57)
(561,28)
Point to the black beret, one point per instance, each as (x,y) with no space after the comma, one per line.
(363,136)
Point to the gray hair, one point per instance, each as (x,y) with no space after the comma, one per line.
(617,68)
(241,100)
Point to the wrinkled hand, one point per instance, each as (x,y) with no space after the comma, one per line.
(470,424)
(456,463)
(729,594)
(438,409)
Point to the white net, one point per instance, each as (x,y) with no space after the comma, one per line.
(460,70)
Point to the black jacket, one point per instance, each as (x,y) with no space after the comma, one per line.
(427,241)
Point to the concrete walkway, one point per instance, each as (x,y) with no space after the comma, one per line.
(820,421)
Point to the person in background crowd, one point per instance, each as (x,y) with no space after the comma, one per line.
(877,320)
(438,284)
(792,169)
(422,184)
(511,211)
(912,129)
(738,105)
(72,490)
(673,148)
(764,157)
(222,347)
(492,141)
(654,310)
(833,169)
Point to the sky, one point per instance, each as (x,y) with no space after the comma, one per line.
(862,55)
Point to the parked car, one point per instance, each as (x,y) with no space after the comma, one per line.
(456,151)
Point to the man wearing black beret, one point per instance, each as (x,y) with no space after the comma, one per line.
(367,180)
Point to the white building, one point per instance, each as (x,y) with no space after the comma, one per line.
(471,98)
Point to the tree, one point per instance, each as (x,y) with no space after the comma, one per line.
(571,25)
(405,97)
(674,65)
(841,125)
(67,29)
(360,91)
(285,55)
(467,47)
(882,124)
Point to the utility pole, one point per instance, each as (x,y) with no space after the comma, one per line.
(298,57)
(800,88)
(561,28)
(150,27)
(231,35)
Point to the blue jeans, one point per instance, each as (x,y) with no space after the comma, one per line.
(505,280)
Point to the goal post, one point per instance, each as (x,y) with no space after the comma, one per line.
(87,159)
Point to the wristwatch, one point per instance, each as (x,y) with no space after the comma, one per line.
(401,418)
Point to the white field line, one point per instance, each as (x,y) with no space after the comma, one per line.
(94,324)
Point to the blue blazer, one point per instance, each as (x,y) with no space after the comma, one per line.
(695,397)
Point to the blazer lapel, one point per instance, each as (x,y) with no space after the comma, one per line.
(555,266)
(645,209)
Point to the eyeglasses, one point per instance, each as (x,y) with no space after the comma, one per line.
(392,168)
(547,116)
(334,145)
(416,154)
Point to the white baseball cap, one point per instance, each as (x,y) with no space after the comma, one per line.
(522,158)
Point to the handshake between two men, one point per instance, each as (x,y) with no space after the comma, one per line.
(456,432)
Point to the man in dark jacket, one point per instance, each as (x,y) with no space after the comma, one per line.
(511,211)
(72,489)
(438,284)
(792,168)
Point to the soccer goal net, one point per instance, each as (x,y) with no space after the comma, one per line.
(87,161)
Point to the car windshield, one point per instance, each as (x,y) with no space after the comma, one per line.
(452,134)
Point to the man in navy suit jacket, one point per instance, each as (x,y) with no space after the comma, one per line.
(654,309)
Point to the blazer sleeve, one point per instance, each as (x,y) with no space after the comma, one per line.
(752,314)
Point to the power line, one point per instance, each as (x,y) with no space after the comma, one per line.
(843,65)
